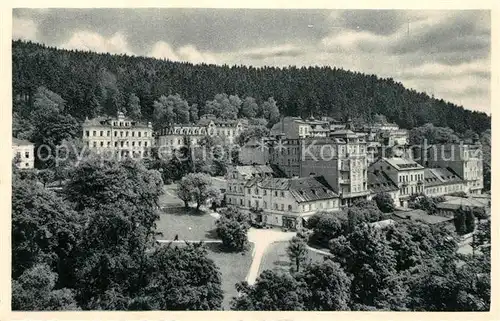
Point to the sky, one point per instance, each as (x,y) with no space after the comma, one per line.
(444,53)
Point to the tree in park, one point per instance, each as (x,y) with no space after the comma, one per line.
(201,189)
(232,228)
(44,229)
(297,252)
(254,132)
(385,203)
(249,108)
(270,110)
(368,257)
(328,287)
(34,290)
(171,288)
(45,176)
(271,292)
(327,226)
(134,107)
(185,191)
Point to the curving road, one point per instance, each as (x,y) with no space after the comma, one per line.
(262,238)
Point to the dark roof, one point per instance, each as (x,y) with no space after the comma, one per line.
(378,182)
(20,142)
(440,176)
(304,189)
(421,215)
(403,163)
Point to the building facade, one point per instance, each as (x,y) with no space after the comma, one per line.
(298,128)
(179,135)
(276,201)
(23,152)
(406,173)
(121,135)
(379,182)
(341,159)
(465,160)
(441,181)
(254,152)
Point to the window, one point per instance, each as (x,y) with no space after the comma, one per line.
(133,134)
(282,194)
(275,206)
(145,134)
(289,207)
(256,191)
(109,144)
(248,190)
(282,207)
(145,144)
(256,203)
(27,154)
(102,144)
(101,133)
(241,202)
(95,144)
(116,133)
(249,203)
(116,144)
(139,134)
(87,133)
(133,143)
(265,192)
(121,144)
(126,134)
(275,193)
(93,133)
(27,164)
(139,143)
(108,133)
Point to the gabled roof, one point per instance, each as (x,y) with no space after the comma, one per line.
(402,164)
(440,176)
(421,215)
(20,142)
(250,170)
(304,189)
(378,182)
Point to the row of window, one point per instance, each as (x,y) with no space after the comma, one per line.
(411,177)
(412,190)
(26,154)
(108,133)
(122,144)
(443,189)
(281,207)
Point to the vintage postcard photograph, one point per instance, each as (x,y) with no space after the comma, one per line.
(231,159)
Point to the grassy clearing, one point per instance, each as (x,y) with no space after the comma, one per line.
(187,224)
(276,258)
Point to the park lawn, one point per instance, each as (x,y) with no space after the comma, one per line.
(177,221)
(234,268)
(169,197)
(276,258)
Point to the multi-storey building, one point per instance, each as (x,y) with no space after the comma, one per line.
(179,135)
(406,173)
(441,181)
(23,152)
(285,202)
(379,182)
(122,135)
(341,159)
(255,152)
(296,128)
(465,160)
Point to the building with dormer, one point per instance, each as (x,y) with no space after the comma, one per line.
(121,135)
(178,135)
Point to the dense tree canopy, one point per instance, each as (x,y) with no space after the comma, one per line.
(296,91)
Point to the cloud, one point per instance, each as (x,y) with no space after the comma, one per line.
(25,29)
(163,50)
(188,53)
(286,50)
(87,40)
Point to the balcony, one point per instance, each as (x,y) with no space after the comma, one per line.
(344,181)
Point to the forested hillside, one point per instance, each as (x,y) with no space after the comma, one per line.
(93,84)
